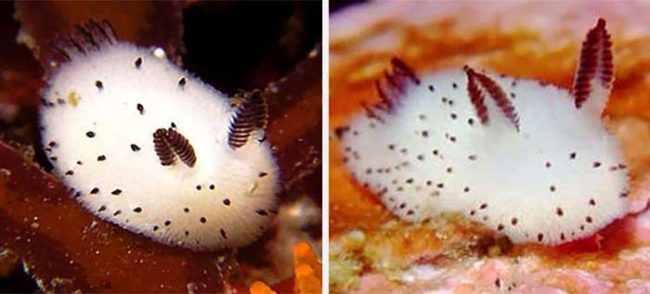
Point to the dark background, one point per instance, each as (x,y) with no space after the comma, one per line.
(230,45)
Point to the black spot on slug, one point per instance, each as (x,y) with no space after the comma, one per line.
(99,85)
(223,233)
(138,62)
(101,158)
(182,82)
(211,186)
(137,209)
(135,148)
(262,174)
(102,208)
(202,220)
(261,212)
(540,237)
(186,210)
(572,155)
(431,88)
(454,85)
(588,219)
(167,223)
(116,192)
(155,228)
(596,164)
(94,190)
(592,202)
(198,187)
(69,173)
(226,202)
(118,212)
(559,211)
(483,206)
(140,108)
(514,221)
(90,134)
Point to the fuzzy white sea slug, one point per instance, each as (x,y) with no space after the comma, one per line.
(144,145)
(527,159)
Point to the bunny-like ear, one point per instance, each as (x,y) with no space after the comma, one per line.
(478,85)
(394,84)
(595,74)
(90,35)
(169,144)
(250,116)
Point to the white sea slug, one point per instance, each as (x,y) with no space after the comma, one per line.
(144,145)
(527,159)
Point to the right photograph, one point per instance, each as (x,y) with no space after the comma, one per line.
(489,147)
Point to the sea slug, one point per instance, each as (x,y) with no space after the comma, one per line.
(145,145)
(527,159)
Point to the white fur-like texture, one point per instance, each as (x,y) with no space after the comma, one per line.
(561,177)
(226,200)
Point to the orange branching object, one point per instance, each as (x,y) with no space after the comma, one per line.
(258,287)
(307,268)
(308,272)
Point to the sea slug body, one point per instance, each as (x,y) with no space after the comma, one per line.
(145,145)
(527,159)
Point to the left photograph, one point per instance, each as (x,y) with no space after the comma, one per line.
(160,147)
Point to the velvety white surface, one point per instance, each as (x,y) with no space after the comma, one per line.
(171,204)
(430,170)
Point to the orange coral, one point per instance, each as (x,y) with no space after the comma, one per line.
(308,273)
